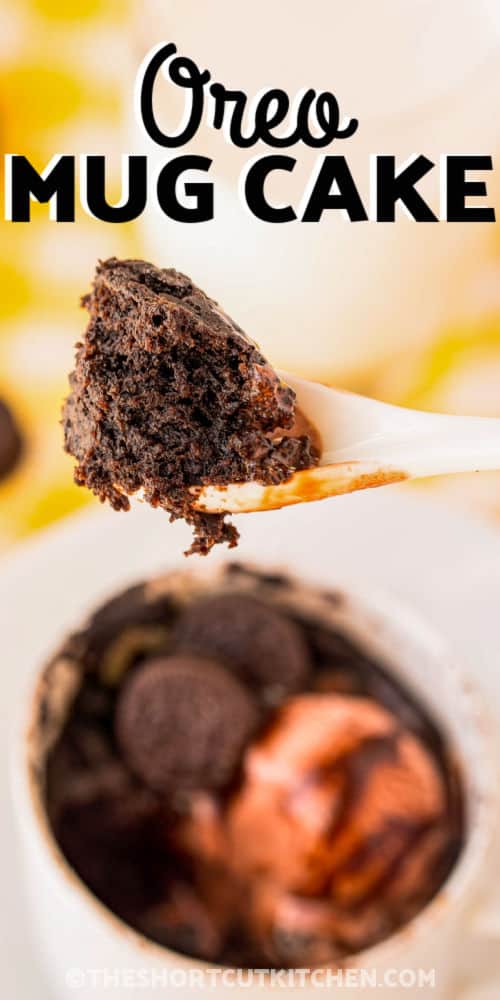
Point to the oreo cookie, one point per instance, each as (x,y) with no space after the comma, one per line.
(11,443)
(182,723)
(266,649)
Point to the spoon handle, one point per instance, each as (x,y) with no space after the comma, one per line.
(426,444)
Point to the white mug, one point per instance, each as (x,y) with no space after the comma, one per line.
(87,949)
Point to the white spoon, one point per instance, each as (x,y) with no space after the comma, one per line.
(365,443)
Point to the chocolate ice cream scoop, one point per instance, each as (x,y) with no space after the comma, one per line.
(10,440)
(340,791)
(337,832)
(264,647)
(182,723)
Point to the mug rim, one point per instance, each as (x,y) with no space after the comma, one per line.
(481,796)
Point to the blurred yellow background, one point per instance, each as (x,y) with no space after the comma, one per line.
(61,72)
(66,78)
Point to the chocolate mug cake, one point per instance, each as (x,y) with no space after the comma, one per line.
(238,778)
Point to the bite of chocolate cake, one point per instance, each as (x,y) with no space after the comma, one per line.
(169,395)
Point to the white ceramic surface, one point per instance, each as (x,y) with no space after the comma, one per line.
(447,566)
